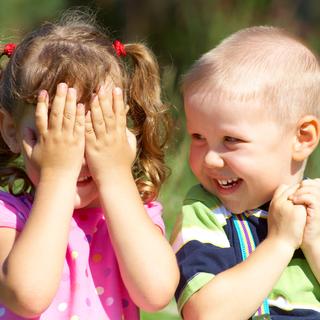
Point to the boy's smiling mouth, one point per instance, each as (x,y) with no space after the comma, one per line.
(228,185)
(228,182)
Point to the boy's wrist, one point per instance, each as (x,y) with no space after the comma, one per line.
(284,247)
(311,247)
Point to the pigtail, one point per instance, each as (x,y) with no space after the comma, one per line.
(150,121)
(1,67)
(12,176)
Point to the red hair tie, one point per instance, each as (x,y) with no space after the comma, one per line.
(119,48)
(8,49)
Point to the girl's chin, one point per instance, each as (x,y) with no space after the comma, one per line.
(81,204)
(87,201)
(86,195)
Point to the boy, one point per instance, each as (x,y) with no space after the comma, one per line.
(252,111)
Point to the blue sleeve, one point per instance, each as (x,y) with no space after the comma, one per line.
(202,247)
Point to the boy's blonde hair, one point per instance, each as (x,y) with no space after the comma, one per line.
(262,64)
(76,51)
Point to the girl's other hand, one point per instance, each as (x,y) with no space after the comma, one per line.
(110,147)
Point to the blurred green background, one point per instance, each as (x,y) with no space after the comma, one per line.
(178,31)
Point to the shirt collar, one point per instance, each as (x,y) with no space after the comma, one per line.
(265,206)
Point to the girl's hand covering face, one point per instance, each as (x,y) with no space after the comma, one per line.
(59,148)
(110,146)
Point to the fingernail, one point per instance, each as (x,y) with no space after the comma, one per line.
(72,92)
(117,91)
(94,97)
(62,87)
(102,88)
(80,106)
(43,94)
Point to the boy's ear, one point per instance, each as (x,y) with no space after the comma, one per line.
(306,138)
(8,131)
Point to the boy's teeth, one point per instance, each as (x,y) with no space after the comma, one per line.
(227,182)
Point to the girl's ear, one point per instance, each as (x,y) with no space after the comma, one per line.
(8,131)
(306,138)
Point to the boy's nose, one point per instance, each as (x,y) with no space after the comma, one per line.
(213,160)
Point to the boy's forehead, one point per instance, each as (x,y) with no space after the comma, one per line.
(203,104)
(212,98)
(200,95)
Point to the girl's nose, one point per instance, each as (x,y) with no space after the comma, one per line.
(213,160)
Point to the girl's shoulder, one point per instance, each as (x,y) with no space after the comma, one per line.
(14,210)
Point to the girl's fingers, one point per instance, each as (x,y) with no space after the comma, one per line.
(41,113)
(79,124)
(119,107)
(105,100)
(107,111)
(69,111)
(57,108)
(132,141)
(89,131)
(97,119)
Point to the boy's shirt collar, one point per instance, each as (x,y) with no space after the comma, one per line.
(199,193)
(265,206)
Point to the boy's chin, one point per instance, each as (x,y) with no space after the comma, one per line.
(241,208)
(236,208)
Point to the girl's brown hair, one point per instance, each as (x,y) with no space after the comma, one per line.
(76,51)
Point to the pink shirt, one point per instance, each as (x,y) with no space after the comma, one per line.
(91,287)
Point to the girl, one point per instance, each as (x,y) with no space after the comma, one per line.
(81,236)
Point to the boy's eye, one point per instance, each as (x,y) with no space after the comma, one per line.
(197,137)
(231,139)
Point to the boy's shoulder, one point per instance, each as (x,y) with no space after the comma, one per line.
(202,218)
(200,205)
(198,193)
